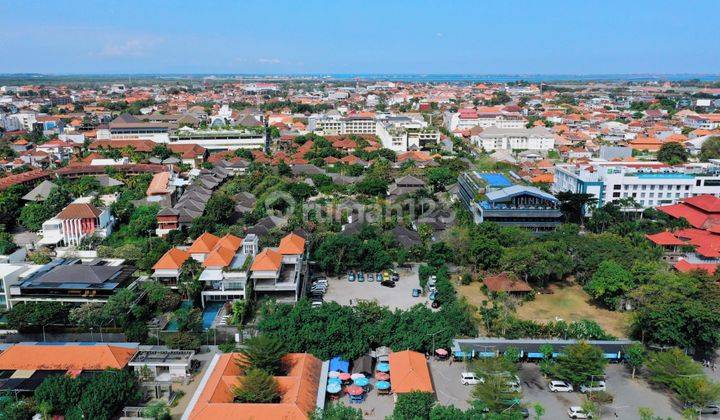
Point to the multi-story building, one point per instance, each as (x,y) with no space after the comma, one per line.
(64,280)
(516,205)
(650,184)
(219,139)
(494,138)
(279,272)
(128,127)
(705,122)
(398,133)
(466,119)
(78,220)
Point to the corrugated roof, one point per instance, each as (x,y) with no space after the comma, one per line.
(65,357)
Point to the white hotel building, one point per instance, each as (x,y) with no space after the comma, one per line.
(650,184)
(397,133)
(493,138)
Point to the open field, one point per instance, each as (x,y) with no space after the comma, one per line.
(571,303)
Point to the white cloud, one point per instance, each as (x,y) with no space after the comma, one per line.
(269,60)
(439,34)
(135,47)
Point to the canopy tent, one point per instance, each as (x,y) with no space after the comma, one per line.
(361,382)
(339,365)
(383,367)
(382,385)
(362,364)
(382,376)
(333,388)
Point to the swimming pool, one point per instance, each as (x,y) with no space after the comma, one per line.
(495,180)
(209,314)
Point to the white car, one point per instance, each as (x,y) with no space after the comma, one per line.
(469,378)
(560,386)
(593,387)
(514,386)
(578,413)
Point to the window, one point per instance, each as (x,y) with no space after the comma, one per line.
(617,186)
(616,195)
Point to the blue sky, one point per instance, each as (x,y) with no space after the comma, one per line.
(311,36)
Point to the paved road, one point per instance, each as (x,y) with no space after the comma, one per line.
(189,389)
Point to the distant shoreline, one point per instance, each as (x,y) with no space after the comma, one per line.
(369,77)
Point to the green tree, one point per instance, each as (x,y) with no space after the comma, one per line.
(578,363)
(495,393)
(665,367)
(672,153)
(337,411)
(264,352)
(539,411)
(220,208)
(573,205)
(679,310)
(710,149)
(61,392)
(33,215)
(413,405)
(610,283)
(635,356)
(257,386)
(697,391)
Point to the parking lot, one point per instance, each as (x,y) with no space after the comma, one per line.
(344,292)
(629,395)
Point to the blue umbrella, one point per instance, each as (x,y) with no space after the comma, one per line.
(361,381)
(383,367)
(382,385)
(334,381)
(333,388)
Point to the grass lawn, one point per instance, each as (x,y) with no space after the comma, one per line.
(571,303)
(472,292)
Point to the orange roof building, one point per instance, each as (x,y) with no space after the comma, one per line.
(65,357)
(298,391)
(292,244)
(267,260)
(171,260)
(409,372)
(204,244)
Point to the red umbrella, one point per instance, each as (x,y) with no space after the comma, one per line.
(344,376)
(441,352)
(355,390)
(382,376)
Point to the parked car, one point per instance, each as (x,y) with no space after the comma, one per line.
(316,304)
(351,276)
(379,277)
(469,378)
(395,276)
(432,296)
(593,387)
(415,292)
(371,277)
(708,409)
(387,283)
(576,412)
(514,386)
(560,386)
(360,276)
(386,275)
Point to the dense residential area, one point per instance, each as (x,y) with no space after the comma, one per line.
(326,249)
